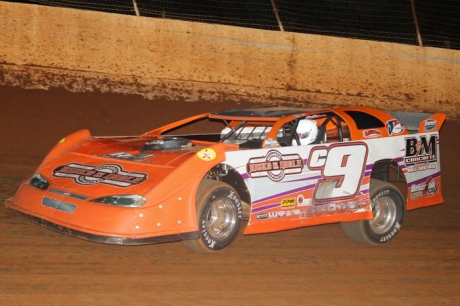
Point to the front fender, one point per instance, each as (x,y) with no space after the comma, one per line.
(65,145)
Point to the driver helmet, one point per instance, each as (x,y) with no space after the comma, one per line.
(307,132)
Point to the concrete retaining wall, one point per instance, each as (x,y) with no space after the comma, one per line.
(42,47)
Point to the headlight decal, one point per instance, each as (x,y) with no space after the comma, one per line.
(39,182)
(131,200)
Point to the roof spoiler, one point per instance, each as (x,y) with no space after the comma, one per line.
(420,122)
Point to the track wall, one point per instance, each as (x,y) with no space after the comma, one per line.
(42,47)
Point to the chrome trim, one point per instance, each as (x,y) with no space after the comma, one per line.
(72,195)
(69,208)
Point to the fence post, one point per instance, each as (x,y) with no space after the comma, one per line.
(420,43)
(136,9)
(277,16)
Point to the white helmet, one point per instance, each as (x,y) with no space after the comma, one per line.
(307,132)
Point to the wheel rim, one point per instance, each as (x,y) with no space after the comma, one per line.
(384,211)
(221,218)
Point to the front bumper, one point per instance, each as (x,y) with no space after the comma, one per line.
(171,220)
(101,238)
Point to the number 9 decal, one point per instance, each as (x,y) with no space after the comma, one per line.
(342,167)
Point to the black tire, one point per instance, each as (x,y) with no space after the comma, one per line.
(388,208)
(219,213)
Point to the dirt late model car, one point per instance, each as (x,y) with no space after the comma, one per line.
(255,170)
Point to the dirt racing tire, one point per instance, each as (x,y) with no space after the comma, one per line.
(219,213)
(388,209)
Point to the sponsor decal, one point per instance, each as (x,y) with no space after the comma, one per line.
(421,167)
(363,205)
(274,165)
(303,213)
(342,206)
(288,202)
(321,208)
(109,174)
(430,125)
(296,212)
(331,207)
(394,127)
(301,201)
(351,205)
(262,216)
(427,189)
(206,154)
(420,150)
(129,156)
(281,213)
(288,212)
(273,214)
(372,133)
(432,186)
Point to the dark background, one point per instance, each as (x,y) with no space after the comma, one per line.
(378,20)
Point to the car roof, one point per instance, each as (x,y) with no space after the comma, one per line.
(262,112)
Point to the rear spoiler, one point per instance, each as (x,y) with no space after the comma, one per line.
(420,122)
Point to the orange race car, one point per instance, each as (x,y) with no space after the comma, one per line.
(269,168)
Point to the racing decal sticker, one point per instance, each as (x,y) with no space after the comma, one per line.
(301,201)
(262,216)
(129,156)
(206,154)
(394,127)
(430,125)
(421,150)
(342,167)
(288,202)
(372,133)
(421,167)
(275,165)
(426,189)
(109,174)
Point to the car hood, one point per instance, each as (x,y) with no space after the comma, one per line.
(129,165)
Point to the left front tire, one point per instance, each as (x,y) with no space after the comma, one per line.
(219,213)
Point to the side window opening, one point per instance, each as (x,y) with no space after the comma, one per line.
(333,129)
(365,120)
(245,133)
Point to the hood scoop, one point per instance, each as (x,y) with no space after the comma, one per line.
(167,143)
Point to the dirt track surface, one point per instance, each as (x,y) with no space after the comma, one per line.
(309,266)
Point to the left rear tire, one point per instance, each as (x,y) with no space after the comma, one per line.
(388,210)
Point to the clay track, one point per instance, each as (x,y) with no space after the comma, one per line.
(310,266)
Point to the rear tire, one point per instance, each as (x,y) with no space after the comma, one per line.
(219,213)
(388,209)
